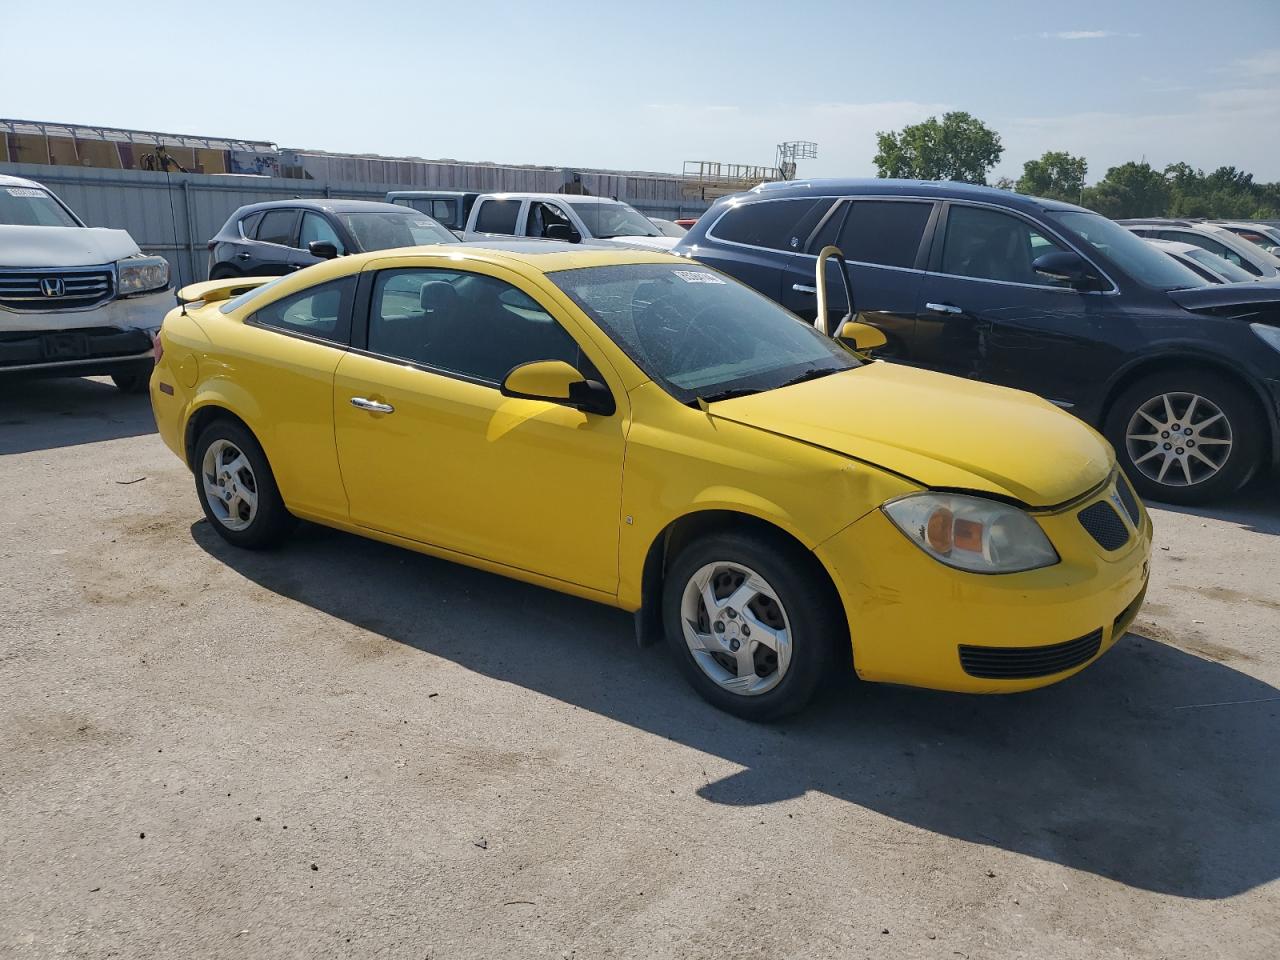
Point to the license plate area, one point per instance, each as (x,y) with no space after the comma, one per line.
(64,346)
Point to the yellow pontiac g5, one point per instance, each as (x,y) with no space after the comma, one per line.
(645,432)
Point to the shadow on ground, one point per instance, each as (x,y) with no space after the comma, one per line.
(40,414)
(1255,508)
(1154,768)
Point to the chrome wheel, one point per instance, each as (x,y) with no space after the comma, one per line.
(230,487)
(736,628)
(1179,439)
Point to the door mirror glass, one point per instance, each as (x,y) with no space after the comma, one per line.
(324,249)
(555,381)
(862,337)
(561,231)
(1065,266)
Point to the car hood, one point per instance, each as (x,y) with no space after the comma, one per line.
(62,246)
(939,430)
(1223,296)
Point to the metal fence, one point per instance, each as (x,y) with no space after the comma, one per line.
(175,215)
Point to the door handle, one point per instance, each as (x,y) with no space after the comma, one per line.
(242,256)
(803,288)
(942,308)
(373,406)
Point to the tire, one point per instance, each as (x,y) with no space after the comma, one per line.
(1221,447)
(796,596)
(134,380)
(223,272)
(249,513)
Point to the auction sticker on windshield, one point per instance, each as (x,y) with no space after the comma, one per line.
(24,192)
(697,276)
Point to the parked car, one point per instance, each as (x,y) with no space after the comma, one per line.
(280,236)
(1038,295)
(1217,240)
(668,228)
(74,300)
(571,218)
(1263,235)
(780,495)
(451,208)
(686,222)
(1209,266)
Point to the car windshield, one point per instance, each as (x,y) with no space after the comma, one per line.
(1127,250)
(699,334)
(32,207)
(606,220)
(1219,265)
(384,230)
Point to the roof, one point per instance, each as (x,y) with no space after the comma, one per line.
(934,189)
(434,193)
(552,197)
(331,205)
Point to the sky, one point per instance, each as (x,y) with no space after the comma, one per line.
(650,85)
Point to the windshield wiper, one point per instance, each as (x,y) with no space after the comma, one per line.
(812,374)
(729,394)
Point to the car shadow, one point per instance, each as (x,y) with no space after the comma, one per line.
(1256,508)
(1154,768)
(43,414)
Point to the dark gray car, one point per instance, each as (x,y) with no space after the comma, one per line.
(280,236)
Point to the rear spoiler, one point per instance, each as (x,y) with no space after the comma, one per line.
(211,291)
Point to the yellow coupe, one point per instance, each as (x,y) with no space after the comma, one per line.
(648,433)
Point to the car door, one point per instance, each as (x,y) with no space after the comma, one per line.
(275,244)
(431,450)
(885,244)
(496,217)
(541,215)
(986,314)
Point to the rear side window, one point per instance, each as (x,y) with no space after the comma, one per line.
(443,210)
(322,312)
(498,216)
(1213,246)
(250,224)
(773,224)
(278,226)
(884,232)
(989,245)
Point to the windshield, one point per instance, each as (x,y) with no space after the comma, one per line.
(699,334)
(384,229)
(606,220)
(32,207)
(1127,250)
(1219,265)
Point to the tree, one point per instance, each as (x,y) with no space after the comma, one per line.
(1056,175)
(1130,190)
(959,147)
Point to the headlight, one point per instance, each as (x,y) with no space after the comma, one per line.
(970,533)
(1269,334)
(142,275)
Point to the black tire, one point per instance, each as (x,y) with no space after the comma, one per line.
(817,625)
(223,272)
(135,380)
(271,522)
(1240,422)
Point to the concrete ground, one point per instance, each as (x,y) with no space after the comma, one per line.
(342,749)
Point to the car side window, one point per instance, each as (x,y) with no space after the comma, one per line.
(249,225)
(316,227)
(773,224)
(498,216)
(467,324)
(543,215)
(886,233)
(442,210)
(1213,246)
(322,312)
(990,245)
(279,226)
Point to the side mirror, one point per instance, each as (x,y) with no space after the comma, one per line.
(820,285)
(324,249)
(555,381)
(562,231)
(862,337)
(1066,266)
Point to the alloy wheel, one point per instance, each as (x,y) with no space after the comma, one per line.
(230,486)
(736,628)
(1179,439)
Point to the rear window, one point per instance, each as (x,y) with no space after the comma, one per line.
(498,216)
(774,224)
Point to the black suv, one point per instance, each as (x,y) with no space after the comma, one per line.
(1183,378)
(280,236)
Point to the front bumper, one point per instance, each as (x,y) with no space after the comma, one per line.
(110,336)
(918,622)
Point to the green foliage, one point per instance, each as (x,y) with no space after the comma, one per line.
(1129,190)
(959,147)
(1056,175)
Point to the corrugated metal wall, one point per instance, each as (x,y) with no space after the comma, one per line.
(175,215)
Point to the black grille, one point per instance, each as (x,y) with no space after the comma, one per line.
(1021,663)
(1128,499)
(1104,525)
(54,289)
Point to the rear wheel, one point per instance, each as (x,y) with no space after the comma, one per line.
(136,379)
(223,272)
(1186,436)
(237,488)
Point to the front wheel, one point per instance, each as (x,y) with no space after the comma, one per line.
(1186,436)
(137,379)
(752,622)
(237,488)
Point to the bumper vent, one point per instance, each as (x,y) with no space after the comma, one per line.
(1022,663)
(40,290)
(1128,499)
(1104,525)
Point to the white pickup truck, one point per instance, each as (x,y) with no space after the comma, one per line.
(74,300)
(544,216)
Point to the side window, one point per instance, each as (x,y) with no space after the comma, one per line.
(279,226)
(884,232)
(250,224)
(773,224)
(543,215)
(1213,246)
(498,216)
(316,227)
(989,245)
(465,323)
(443,210)
(323,312)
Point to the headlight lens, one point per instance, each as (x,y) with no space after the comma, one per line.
(142,274)
(970,533)
(1269,334)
